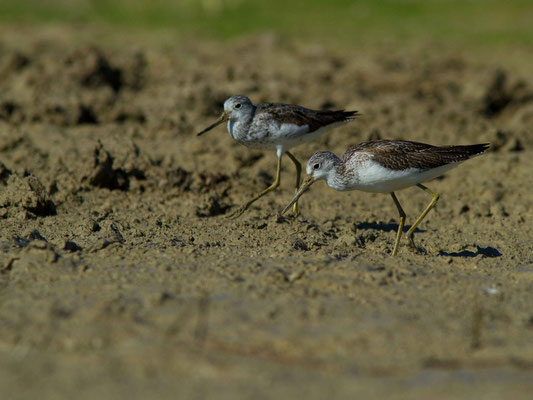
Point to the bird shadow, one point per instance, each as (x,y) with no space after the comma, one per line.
(382,226)
(483,251)
(488,251)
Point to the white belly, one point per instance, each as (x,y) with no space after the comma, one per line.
(372,177)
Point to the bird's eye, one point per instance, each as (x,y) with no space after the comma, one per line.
(316,166)
(237,106)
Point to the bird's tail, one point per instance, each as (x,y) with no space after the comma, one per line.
(348,115)
(462,153)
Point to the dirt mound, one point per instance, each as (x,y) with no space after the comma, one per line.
(83,87)
(113,171)
(23,196)
(501,94)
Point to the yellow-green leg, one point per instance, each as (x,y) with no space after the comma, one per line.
(274,185)
(411,231)
(298,175)
(400,226)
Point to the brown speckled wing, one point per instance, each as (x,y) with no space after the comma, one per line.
(294,114)
(402,154)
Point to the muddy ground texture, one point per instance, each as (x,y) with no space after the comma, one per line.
(121,275)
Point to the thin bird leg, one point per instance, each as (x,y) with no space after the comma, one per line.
(298,175)
(411,231)
(400,226)
(274,185)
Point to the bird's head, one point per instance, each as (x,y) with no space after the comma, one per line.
(234,108)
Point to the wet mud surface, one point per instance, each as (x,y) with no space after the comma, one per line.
(120,273)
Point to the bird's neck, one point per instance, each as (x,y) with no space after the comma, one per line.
(238,128)
(335,178)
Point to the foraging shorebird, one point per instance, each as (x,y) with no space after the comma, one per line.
(275,126)
(385,166)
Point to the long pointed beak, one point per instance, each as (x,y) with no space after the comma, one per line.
(303,188)
(221,119)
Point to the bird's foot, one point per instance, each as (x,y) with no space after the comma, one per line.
(414,248)
(292,216)
(238,212)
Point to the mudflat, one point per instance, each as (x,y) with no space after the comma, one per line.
(120,274)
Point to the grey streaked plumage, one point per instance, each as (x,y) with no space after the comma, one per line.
(276,125)
(297,115)
(403,154)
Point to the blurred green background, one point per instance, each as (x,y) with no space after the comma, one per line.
(458,22)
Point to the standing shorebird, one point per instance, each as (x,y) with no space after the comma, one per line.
(275,126)
(385,166)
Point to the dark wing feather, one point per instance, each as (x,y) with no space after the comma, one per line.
(294,114)
(402,154)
